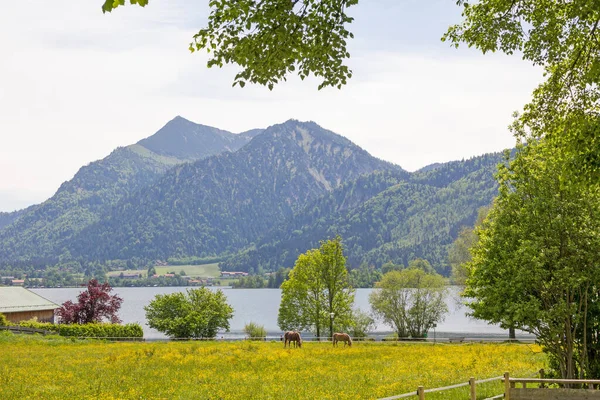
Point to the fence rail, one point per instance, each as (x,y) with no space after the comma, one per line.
(421,391)
(22,329)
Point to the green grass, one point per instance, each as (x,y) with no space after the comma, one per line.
(200,271)
(40,368)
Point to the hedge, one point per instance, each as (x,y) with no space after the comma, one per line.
(89,330)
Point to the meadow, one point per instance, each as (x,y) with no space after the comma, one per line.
(58,368)
(196,271)
(200,271)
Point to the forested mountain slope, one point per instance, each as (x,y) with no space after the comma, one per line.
(256,199)
(386,217)
(43,230)
(223,203)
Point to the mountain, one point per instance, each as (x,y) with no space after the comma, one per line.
(7,218)
(43,230)
(255,200)
(384,217)
(186,140)
(223,203)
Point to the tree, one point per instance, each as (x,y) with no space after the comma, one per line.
(93,305)
(362,323)
(390,266)
(423,265)
(411,301)
(272,38)
(198,313)
(535,264)
(562,37)
(364,276)
(459,252)
(317,292)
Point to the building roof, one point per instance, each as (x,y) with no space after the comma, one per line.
(18,299)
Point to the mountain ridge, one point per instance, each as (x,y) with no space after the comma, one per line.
(256,206)
(41,230)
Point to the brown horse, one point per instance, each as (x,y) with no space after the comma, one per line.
(292,336)
(344,337)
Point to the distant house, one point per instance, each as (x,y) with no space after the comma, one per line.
(169,275)
(233,273)
(18,282)
(19,304)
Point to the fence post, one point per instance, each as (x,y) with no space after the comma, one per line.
(542,377)
(473,392)
(506,386)
(421,393)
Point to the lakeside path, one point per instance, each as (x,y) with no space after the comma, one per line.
(58,368)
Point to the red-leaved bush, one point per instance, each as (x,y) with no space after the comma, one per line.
(94,305)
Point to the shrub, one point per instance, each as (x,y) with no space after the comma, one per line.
(255,331)
(362,323)
(198,313)
(3,320)
(88,330)
(34,324)
(101,330)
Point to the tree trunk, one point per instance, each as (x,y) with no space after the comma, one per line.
(511,333)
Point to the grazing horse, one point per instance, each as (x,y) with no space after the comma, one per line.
(344,337)
(292,336)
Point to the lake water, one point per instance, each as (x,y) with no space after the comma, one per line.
(261,306)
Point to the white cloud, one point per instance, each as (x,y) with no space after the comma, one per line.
(75,84)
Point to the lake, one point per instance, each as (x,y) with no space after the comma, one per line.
(261,306)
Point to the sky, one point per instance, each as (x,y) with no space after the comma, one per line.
(76,83)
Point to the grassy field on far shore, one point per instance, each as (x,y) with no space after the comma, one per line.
(200,271)
(58,368)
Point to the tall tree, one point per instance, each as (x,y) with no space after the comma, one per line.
(411,301)
(95,304)
(459,252)
(535,265)
(564,38)
(270,39)
(317,292)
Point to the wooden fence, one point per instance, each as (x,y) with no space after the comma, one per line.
(588,388)
(576,389)
(22,329)
(421,391)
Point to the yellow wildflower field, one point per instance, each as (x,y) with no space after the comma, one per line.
(38,368)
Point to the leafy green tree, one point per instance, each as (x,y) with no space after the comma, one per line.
(459,253)
(317,292)
(364,276)
(272,38)
(423,265)
(562,37)
(362,323)
(535,265)
(198,313)
(411,301)
(390,266)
